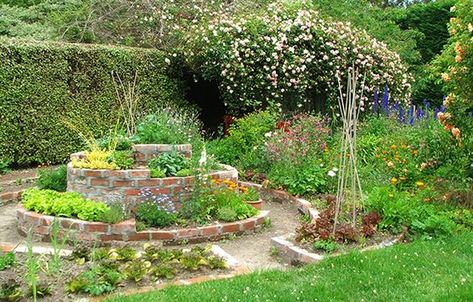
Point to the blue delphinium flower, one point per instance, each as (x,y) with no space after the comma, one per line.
(385,101)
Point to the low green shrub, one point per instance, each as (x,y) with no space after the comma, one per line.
(53,179)
(152,215)
(157,173)
(7,260)
(328,246)
(243,148)
(96,281)
(114,214)
(169,163)
(417,211)
(69,204)
(123,159)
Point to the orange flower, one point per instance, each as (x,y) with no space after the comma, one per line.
(441,116)
(456,132)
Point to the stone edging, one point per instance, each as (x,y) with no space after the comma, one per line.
(126,230)
(296,255)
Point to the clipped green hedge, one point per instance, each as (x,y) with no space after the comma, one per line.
(43,83)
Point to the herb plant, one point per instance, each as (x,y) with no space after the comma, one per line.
(169,163)
(53,179)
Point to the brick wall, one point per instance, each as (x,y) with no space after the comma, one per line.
(125,185)
(75,229)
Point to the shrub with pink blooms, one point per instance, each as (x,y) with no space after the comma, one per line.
(290,56)
(297,153)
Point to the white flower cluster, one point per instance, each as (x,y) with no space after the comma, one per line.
(286,54)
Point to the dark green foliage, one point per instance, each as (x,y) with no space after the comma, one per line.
(4,166)
(227,214)
(243,148)
(152,216)
(41,84)
(431,20)
(118,142)
(328,246)
(53,179)
(7,260)
(96,281)
(123,159)
(169,163)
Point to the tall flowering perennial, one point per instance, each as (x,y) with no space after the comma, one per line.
(455,68)
(301,137)
(288,55)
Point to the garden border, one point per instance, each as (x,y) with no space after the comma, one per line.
(125,231)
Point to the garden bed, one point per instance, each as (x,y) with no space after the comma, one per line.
(88,272)
(41,226)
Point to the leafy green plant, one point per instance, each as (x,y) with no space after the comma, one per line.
(184,173)
(69,204)
(164,270)
(7,260)
(95,281)
(150,214)
(328,246)
(227,214)
(114,214)
(157,173)
(53,179)
(126,253)
(123,159)
(117,142)
(136,270)
(169,163)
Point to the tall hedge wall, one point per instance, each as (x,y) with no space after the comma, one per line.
(43,83)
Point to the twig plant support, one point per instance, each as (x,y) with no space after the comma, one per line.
(349,187)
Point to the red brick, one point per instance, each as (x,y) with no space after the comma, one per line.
(93,173)
(249,224)
(140,236)
(114,237)
(188,233)
(122,183)
(84,236)
(33,217)
(149,182)
(210,231)
(170,181)
(41,230)
(127,226)
(20,213)
(118,174)
(161,235)
(260,220)
(99,182)
(71,223)
(96,227)
(232,227)
(139,173)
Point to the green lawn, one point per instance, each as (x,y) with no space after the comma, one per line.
(440,270)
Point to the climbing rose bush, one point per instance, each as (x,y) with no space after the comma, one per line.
(288,55)
(455,68)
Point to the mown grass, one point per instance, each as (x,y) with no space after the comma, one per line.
(436,270)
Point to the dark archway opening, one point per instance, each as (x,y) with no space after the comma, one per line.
(206,95)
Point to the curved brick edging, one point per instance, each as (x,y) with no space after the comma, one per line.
(126,230)
(281,196)
(10,197)
(125,185)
